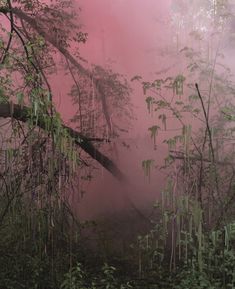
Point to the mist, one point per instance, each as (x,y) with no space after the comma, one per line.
(117,144)
(133,38)
(136,38)
(130,43)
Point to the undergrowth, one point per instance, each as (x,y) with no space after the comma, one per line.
(191,241)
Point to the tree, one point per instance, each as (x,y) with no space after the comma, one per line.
(41,158)
(195,230)
(29,22)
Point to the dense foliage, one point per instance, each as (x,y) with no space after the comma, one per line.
(189,240)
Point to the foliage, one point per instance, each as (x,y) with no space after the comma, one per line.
(41,165)
(76,279)
(192,238)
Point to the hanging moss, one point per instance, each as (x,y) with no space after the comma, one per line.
(149,101)
(146,165)
(154,130)
(178,85)
(162,117)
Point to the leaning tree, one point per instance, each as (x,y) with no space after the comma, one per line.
(41,157)
(38,32)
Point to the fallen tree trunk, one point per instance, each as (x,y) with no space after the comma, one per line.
(20,113)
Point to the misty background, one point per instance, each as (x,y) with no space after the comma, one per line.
(134,37)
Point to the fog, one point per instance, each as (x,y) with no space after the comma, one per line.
(128,36)
(133,37)
(117,144)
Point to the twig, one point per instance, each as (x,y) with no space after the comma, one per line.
(79,94)
(11,33)
(197,159)
(208,130)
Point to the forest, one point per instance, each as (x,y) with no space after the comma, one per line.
(84,204)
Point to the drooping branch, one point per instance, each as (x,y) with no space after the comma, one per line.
(23,114)
(52,40)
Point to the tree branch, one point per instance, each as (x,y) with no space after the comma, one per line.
(23,114)
(181,156)
(48,37)
(3,58)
